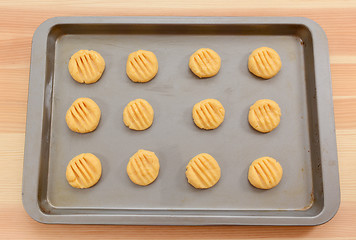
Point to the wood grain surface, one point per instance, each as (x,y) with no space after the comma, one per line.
(18,21)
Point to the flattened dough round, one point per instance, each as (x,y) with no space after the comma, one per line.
(86,66)
(138,114)
(83,116)
(141,66)
(143,167)
(208,114)
(264,62)
(205,62)
(264,115)
(203,171)
(265,173)
(83,171)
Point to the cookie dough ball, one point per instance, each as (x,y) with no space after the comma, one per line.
(83,116)
(205,63)
(138,115)
(264,62)
(208,114)
(86,66)
(203,171)
(143,167)
(83,171)
(264,115)
(141,66)
(265,173)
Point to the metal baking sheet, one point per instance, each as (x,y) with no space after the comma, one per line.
(304,142)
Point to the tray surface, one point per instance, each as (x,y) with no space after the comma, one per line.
(297,143)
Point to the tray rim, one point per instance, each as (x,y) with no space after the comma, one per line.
(325,112)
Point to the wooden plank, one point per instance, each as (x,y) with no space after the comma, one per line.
(18,21)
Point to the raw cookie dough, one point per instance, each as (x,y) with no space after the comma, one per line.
(205,63)
(264,115)
(86,66)
(83,116)
(203,171)
(265,173)
(138,114)
(264,62)
(143,167)
(83,171)
(141,66)
(208,114)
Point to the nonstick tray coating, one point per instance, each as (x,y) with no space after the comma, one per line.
(304,142)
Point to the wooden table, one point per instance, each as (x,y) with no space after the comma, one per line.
(18,21)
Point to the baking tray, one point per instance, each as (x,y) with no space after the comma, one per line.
(304,142)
